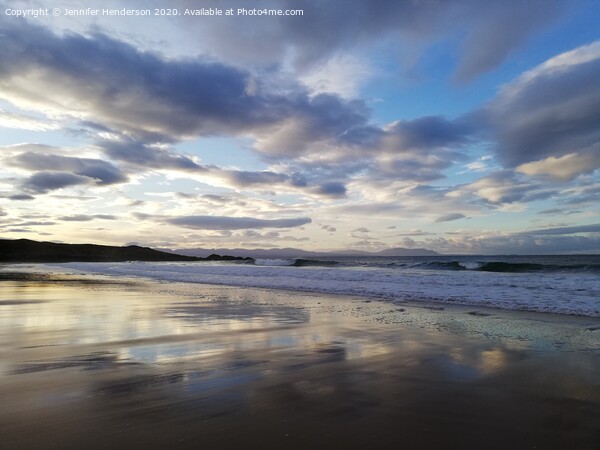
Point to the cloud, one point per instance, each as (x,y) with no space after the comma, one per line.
(593,228)
(563,168)
(504,187)
(45,181)
(488,42)
(411,150)
(324,32)
(277,181)
(146,103)
(103,172)
(316,125)
(149,102)
(582,196)
(421,149)
(394,200)
(111,83)
(33,224)
(24,122)
(141,155)
(518,243)
(450,217)
(414,232)
(21,197)
(87,217)
(339,74)
(546,121)
(102,79)
(331,189)
(426,132)
(234,223)
(329,228)
(243,178)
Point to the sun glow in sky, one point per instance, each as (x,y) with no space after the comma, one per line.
(465,126)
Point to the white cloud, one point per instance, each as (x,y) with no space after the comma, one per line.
(24,122)
(564,167)
(341,74)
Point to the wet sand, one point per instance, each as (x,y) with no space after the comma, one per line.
(97,364)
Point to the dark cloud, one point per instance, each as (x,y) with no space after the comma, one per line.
(122,88)
(144,216)
(149,101)
(421,149)
(414,233)
(560,212)
(412,150)
(548,117)
(552,211)
(87,217)
(45,181)
(138,154)
(318,126)
(103,172)
(234,223)
(331,190)
(428,132)
(216,198)
(143,157)
(243,178)
(594,228)
(21,197)
(33,223)
(450,217)
(112,82)
(343,25)
(489,43)
(140,94)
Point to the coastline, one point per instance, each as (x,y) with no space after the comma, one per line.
(566,293)
(100,362)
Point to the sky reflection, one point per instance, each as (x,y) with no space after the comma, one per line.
(200,354)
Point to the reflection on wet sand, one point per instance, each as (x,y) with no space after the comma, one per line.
(189,366)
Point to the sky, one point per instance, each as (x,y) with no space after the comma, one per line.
(464,126)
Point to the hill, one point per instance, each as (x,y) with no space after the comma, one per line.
(26,250)
(297,253)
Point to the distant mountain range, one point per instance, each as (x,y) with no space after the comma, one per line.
(25,250)
(273,253)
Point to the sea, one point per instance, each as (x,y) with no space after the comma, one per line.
(546,284)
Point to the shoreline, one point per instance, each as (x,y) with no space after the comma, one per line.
(426,303)
(155,364)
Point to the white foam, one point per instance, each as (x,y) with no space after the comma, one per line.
(558,293)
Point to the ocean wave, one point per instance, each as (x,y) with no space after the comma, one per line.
(564,293)
(274,262)
(506,267)
(296,262)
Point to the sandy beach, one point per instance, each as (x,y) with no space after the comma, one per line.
(94,363)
